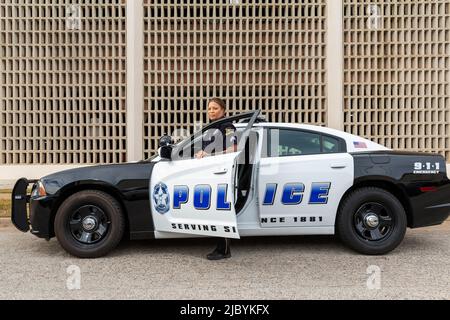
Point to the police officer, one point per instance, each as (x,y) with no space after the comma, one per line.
(218,139)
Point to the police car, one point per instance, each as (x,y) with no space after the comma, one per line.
(284,179)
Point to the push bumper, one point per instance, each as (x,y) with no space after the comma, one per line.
(30,214)
(20,201)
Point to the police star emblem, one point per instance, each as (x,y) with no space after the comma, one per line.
(161,198)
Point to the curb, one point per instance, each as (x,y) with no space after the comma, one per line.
(5,222)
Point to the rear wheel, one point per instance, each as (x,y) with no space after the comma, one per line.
(371,221)
(89,224)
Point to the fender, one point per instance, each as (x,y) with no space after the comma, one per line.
(128,183)
(422,194)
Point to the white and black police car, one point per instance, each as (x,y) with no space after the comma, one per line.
(284,179)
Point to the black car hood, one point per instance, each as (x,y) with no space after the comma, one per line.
(121,176)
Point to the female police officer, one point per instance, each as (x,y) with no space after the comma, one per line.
(218,139)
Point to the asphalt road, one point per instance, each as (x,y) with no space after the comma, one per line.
(261,268)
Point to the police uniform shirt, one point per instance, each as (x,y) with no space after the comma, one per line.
(219,138)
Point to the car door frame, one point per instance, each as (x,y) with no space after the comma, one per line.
(342,187)
(164,232)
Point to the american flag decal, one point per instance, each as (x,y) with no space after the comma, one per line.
(359,144)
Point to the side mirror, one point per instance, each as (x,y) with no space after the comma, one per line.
(165,140)
(165,152)
(165,147)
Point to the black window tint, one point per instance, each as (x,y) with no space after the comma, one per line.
(298,142)
(330,144)
(195,145)
(295,142)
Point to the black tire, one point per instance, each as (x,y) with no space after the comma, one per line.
(106,212)
(356,229)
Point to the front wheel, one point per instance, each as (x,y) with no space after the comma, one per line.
(89,224)
(371,221)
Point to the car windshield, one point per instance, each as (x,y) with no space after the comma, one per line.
(189,141)
(177,144)
(151,158)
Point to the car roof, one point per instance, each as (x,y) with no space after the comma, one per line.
(348,137)
(322,129)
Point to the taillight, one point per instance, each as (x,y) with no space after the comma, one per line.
(428,189)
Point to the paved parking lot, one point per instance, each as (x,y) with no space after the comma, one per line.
(261,268)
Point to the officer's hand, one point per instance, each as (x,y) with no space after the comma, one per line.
(200,154)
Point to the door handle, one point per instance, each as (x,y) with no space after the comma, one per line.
(222,171)
(338,166)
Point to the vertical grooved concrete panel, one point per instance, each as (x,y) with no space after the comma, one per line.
(62,82)
(252,55)
(396,73)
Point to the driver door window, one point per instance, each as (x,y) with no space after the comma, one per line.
(189,149)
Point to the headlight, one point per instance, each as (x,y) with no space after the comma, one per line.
(38,190)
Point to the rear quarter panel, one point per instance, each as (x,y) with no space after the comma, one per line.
(401,170)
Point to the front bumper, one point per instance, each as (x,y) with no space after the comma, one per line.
(20,201)
(28,214)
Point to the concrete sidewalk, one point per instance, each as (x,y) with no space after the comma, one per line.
(7,184)
(314,267)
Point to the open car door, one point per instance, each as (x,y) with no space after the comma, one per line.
(196,196)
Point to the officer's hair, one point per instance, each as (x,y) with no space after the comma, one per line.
(219,101)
